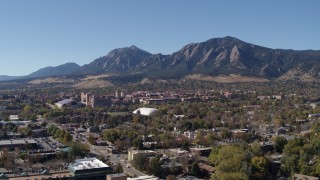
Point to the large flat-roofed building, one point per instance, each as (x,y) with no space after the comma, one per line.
(133,153)
(18,143)
(89,168)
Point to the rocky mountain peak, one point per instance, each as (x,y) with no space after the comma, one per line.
(217,56)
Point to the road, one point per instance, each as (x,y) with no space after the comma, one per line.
(117,158)
(131,171)
(113,158)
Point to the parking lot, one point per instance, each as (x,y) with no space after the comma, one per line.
(48,143)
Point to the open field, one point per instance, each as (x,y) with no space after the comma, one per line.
(226,78)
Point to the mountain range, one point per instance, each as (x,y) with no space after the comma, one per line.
(217,56)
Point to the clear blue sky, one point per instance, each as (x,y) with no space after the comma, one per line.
(40,33)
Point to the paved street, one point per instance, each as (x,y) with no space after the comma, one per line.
(113,158)
(131,170)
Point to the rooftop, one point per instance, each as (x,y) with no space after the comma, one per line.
(178,150)
(87,163)
(117,175)
(145,111)
(142,151)
(17,141)
(65,101)
(143,177)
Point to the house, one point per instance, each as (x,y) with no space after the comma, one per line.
(149,145)
(277,97)
(202,151)
(263,97)
(14,117)
(190,134)
(177,117)
(208,168)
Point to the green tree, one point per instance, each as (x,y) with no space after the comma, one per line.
(231,163)
(155,166)
(119,168)
(173,166)
(259,167)
(52,129)
(289,164)
(111,135)
(279,143)
(78,149)
(214,154)
(195,170)
(139,161)
(92,140)
(58,133)
(256,149)
(67,138)
(185,145)
(23,156)
(138,143)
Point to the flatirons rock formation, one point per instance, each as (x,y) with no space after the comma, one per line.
(216,56)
